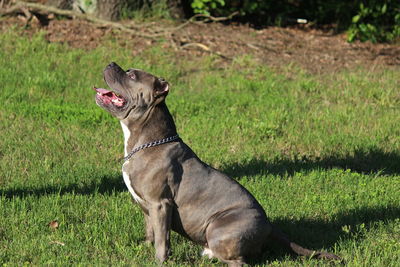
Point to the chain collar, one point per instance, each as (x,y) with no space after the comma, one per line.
(151,144)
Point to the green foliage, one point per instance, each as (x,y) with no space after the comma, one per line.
(374,20)
(320,154)
(89,6)
(270,12)
(377,21)
(204,6)
(223,8)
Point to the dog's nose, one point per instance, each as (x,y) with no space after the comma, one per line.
(111,65)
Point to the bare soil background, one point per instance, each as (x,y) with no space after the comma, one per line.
(316,51)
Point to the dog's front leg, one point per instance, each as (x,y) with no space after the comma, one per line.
(160,218)
(149,229)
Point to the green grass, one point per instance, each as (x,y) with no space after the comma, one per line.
(320,153)
(148,11)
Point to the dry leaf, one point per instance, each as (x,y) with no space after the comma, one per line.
(53,224)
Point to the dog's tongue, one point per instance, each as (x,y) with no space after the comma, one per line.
(101,91)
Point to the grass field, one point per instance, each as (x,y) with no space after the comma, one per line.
(320,153)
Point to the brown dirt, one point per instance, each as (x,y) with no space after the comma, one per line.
(316,51)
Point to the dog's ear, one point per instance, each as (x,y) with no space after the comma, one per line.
(161,88)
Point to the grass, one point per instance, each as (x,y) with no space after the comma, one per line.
(146,11)
(320,153)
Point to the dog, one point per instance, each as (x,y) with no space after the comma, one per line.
(173,187)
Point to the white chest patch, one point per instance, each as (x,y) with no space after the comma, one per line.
(127,134)
(127,181)
(130,188)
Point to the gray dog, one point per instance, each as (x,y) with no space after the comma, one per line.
(174,188)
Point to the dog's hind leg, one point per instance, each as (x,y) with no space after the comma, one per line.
(235,263)
(237,235)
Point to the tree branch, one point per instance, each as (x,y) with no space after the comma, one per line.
(28,8)
(34,7)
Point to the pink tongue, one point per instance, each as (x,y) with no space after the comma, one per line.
(102,90)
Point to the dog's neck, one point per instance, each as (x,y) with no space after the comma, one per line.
(158,124)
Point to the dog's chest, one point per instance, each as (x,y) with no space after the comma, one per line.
(125,175)
(130,188)
(127,134)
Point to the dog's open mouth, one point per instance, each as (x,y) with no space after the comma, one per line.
(109,97)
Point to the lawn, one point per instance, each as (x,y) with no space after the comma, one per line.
(320,152)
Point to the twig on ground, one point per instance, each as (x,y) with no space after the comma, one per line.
(211,18)
(57,243)
(34,7)
(216,19)
(204,48)
(259,47)
(29,9)
(201,46)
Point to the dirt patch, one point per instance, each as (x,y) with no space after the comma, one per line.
(313,50)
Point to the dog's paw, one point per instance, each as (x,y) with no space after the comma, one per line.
(207,252)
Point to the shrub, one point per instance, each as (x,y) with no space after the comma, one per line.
(374,20)
(377,21)
(205,6)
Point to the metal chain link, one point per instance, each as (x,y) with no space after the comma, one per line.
(151,144)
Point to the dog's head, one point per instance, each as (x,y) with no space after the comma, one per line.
(133,92)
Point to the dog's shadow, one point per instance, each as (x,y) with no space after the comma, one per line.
(319,233)
(104,185)
(314,234)
(362,161)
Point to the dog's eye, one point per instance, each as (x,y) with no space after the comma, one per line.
(131,75)
(161,79)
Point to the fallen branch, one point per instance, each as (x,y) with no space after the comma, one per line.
(21,7)
(201,46)
(205,49)
(38,8)
(28,8)
(211,18)
(216,19)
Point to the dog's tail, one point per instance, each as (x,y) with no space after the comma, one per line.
(279,237)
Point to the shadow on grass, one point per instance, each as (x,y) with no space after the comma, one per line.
(106,185)
(313,234)
(371,161)
(322,235)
